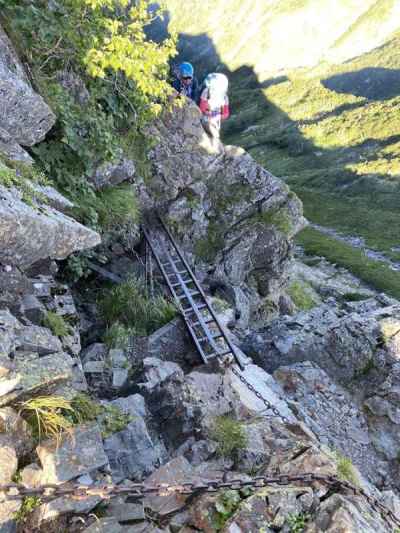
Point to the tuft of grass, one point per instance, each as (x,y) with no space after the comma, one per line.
(48,416)
(375,273)
(56,324)
(118,206)
(118,336)
(230,436)
(300,296)
(52,416)
(298,522)
(113,420)
(23,177)
(130,305)
(345,469)
(29,504)
(280,219)
(84,409)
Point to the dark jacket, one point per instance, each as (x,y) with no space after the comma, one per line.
(191,91)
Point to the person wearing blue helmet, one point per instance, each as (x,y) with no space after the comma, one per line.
(186,83)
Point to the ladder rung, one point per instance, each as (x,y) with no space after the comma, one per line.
(212,336)
(215,354)
(194,293)
(191,309)
(198,323)
(176,285)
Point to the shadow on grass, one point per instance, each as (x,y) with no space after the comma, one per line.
(374,83)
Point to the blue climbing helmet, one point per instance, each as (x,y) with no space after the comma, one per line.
(186,70)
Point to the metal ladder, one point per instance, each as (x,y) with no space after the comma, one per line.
(200,319)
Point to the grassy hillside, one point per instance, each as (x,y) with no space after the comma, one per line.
(333,133)
(271,35)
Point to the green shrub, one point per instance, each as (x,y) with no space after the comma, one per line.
(298,522)
(113,420)
(118,206)
(130,305)
(230,436)
(29,504)
(104,44)
(118,336)
(300,294)
(56,323)
(225,507)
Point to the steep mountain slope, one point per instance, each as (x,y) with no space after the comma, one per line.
(333,133)
(273,35)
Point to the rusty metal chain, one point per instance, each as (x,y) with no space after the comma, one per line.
(266,402)
(141,490)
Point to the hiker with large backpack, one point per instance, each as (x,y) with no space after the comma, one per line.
(214,103)
(185,82)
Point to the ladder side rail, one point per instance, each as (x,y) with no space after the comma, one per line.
(200,289)
(171,289)
(193,304)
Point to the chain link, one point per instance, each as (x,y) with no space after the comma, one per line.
(266,402)
(141,490)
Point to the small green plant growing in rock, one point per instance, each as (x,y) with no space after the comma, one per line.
(29,504)
(229,434)
(301,296)
(84,409)
(56,324)
(130,305)
(113,420)
(346,470)
(118,336)
(298,522)
(225,507)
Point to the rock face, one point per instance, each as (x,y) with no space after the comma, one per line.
(30,233)
(24,114)
(230,214)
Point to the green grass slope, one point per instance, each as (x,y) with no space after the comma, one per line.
(274,35)
(333,133)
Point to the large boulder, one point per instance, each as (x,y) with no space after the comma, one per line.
(29,233)
(24,114)
(230,214)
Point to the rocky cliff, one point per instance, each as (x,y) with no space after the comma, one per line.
(100,383)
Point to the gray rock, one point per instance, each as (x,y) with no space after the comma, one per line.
(77,454)
(173,343)
(24,114)
(124,511)
(109,174)
(94,367)
(13,150)
(349,514)
(39,340)
(333,415)
(230,214)
(7,510)
(347,345)
(135,451)
(8,463)
(53,197)
(28,234)
(32,308)
(31,374)
(176,471)
(15,432)
(119,377)
(94,352)
(105,525)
